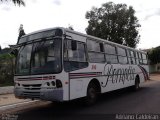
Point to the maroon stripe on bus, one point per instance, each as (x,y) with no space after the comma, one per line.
(144,72)
(36,78)
(78,75)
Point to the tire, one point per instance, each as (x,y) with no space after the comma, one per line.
(92,94)
(136,86)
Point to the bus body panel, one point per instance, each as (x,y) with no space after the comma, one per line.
(108,81)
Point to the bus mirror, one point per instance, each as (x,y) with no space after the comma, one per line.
(101,47)
(74,45)
(14,52)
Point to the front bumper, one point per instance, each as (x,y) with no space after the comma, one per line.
(42,94)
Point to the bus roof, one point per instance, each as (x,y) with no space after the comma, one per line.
(82,34)
(103,40)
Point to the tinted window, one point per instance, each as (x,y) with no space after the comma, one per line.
(133,60)
(77,55)
(144,56)
(96,57)
(109,49)
(136,54)
(131,57)
(74,59)
(23,60)
(140,55)
(93,46)
(137,59)
(122,57)
(111,58)
(46,57)
(121,51)
(42,57)
(95,51)
(140,58)
(132,54)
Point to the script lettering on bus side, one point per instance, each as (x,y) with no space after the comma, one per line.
(117,75)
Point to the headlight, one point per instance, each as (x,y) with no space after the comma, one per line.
(53,83)
(58,84)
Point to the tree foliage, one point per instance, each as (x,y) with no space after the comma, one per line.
(6,67)
(114,22)
(154,55)
(16,2)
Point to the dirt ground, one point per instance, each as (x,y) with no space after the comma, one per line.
(9,99)
(155,76)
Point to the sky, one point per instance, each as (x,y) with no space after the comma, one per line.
(42,14)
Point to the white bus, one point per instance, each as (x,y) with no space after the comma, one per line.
(59,64)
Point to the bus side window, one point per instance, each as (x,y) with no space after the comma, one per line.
(111,55)
(131,57)
(95,51)
(137,60)
(76,58)
(140,58)
(122,56)
(144,57)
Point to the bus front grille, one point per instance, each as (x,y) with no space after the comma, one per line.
(32,87)
(31,94)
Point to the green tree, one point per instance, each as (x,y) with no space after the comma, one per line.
(16,2)
(114,22)
(6,69)
(154,55)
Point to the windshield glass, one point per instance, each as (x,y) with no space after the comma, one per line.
(23,60)
(40,58)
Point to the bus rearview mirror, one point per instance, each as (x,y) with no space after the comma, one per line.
(14,52)
(74,45)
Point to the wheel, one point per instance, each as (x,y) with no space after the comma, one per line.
(92,94)
(136,86)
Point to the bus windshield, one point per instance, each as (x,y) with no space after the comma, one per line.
(42,57)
